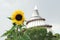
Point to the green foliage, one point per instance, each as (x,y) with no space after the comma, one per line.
(9,32)
(57,36)
(34,33)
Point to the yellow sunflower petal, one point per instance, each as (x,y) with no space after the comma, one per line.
(18,17)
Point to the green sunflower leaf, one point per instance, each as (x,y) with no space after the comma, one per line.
(9,32)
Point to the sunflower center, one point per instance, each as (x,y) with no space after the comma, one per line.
(18,17)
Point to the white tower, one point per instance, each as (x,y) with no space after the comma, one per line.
(38,21)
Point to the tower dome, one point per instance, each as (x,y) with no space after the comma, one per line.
(37,20)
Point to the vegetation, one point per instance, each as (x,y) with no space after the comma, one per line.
(35,33)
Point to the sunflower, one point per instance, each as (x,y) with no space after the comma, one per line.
(18,17)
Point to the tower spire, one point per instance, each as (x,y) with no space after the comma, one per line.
(35,11)
(36,7)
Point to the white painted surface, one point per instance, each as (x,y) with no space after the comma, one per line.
(35,23)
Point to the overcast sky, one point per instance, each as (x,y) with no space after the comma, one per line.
(48,9)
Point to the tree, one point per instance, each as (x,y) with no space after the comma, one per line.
(57,36)
(36,33)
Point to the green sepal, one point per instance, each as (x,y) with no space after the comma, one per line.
(9,18)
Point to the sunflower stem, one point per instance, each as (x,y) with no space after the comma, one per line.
(17,32)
